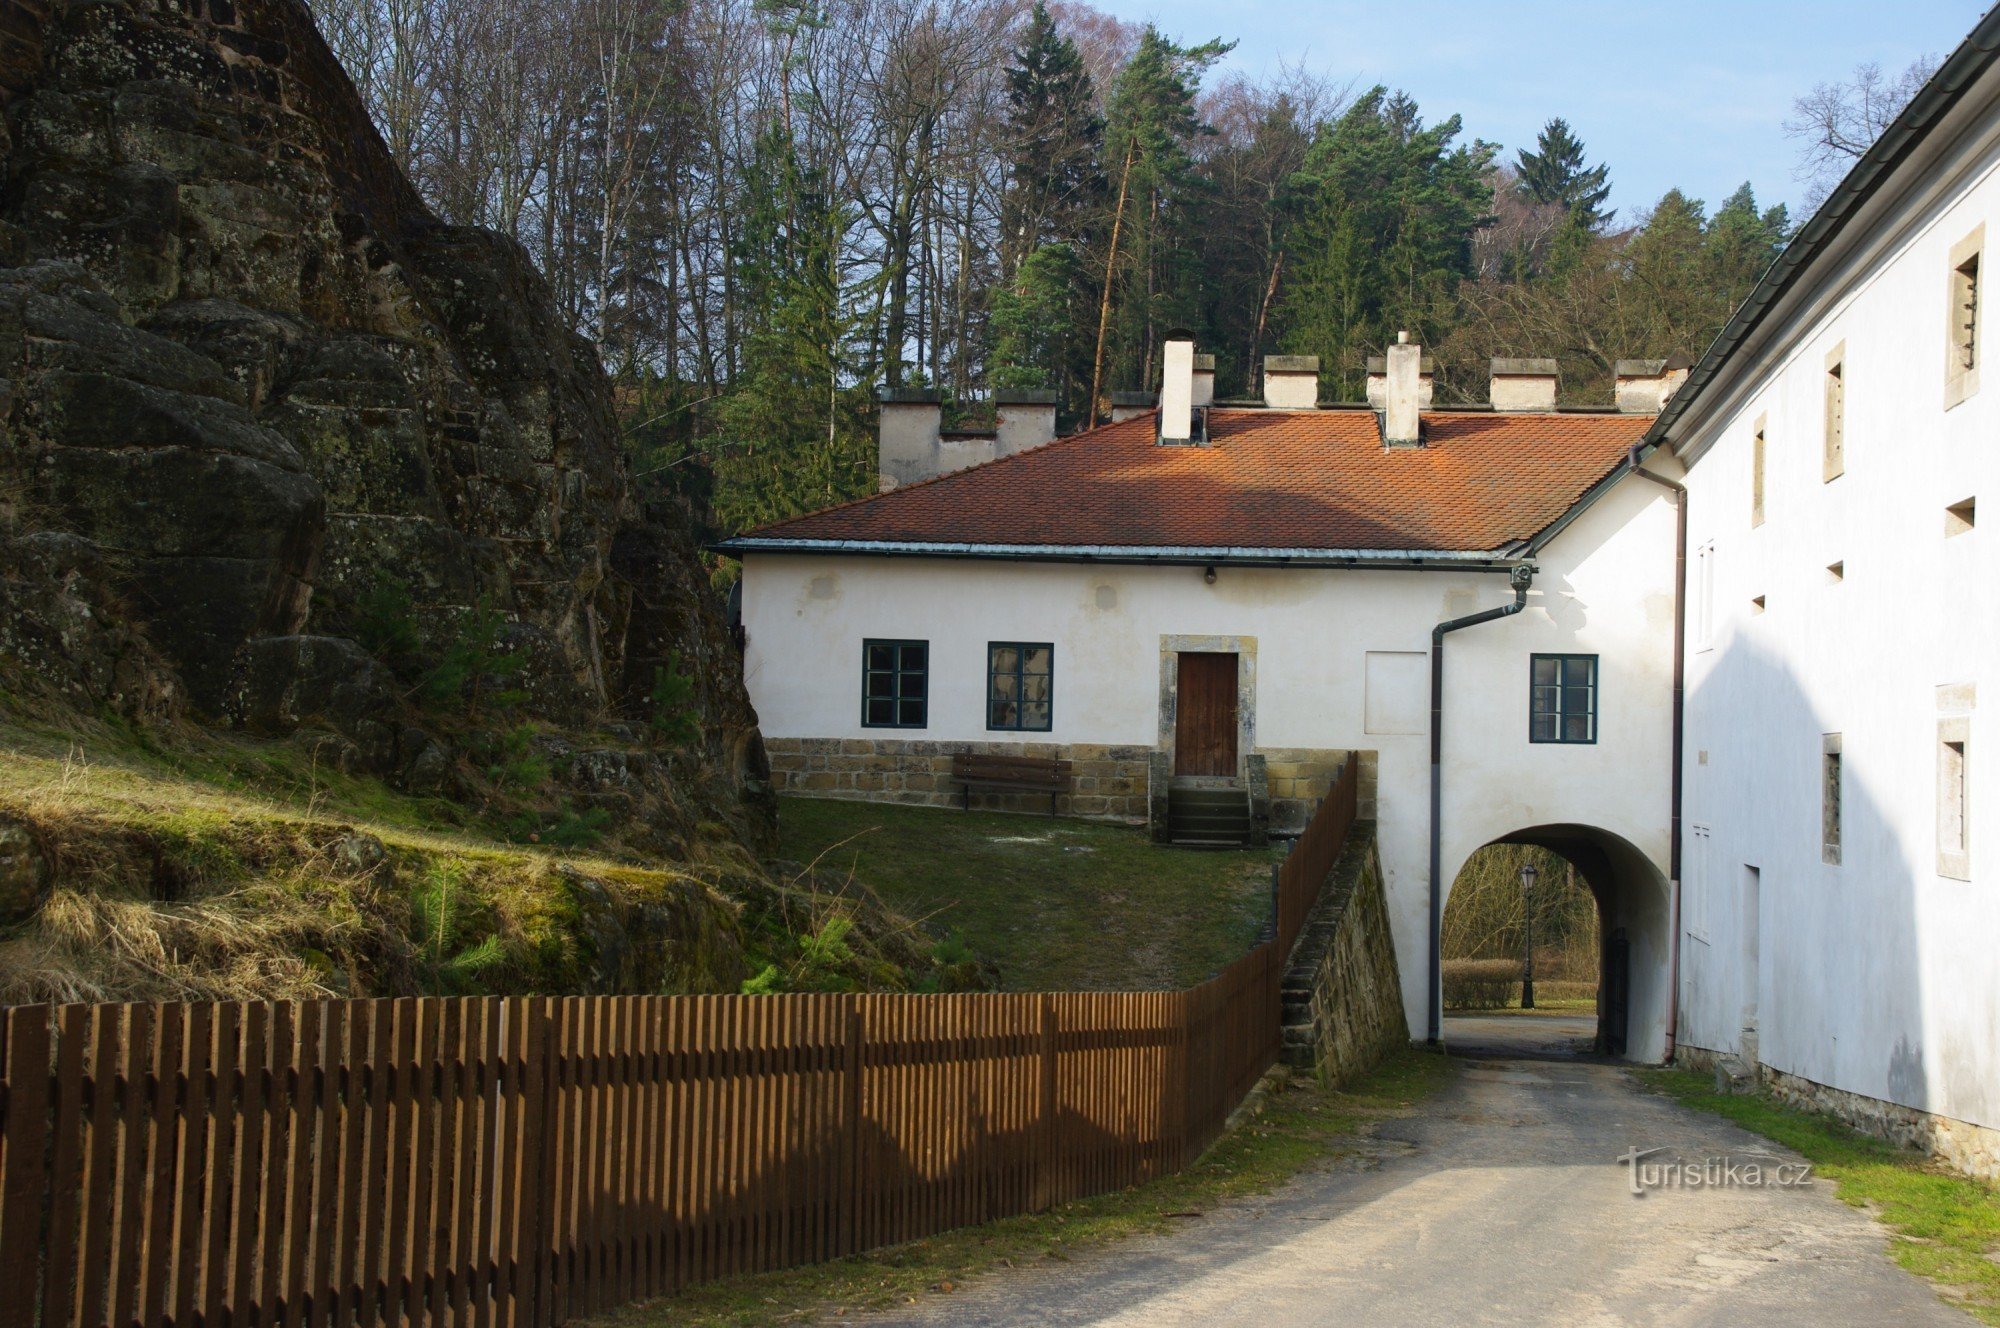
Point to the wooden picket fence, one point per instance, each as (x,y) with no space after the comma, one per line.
(518,1163)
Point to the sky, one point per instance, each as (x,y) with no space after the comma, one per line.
(1690,95)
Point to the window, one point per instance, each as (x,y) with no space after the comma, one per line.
(1835,459)
(1757,474)
(1756,605)
(1829,799)
(1562,698)
(1958,518)
(1961,370)
(1954,825)
(1836,572)
(895,684)
(1019,678)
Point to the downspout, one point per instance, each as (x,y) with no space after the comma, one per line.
(1679,491)
(1523,576)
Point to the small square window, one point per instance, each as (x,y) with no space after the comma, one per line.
(1757,605)
(1829,798)
(895,684)
(1562,698)
(1958,518)
(1020,685)
(1836,572)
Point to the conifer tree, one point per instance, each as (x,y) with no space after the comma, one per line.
(1555,173)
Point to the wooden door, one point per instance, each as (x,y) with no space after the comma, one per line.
(1205,715)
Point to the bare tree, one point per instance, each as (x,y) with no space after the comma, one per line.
(1836,122)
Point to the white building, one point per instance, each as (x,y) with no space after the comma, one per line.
(1197,597)
(1203,602)
(1840,921)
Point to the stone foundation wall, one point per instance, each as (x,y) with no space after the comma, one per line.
(1298,777)
(1107,783)
(1972,1149)
(1343,996)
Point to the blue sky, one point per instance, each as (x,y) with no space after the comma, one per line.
(1687,94)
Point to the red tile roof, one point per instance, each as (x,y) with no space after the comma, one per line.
(1269,479)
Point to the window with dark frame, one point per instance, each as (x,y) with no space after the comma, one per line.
(895,684)
(1020,685)
(1829,799)
(1562,698)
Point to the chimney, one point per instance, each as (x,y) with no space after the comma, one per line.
(1378,382)
(1523,384)
(1024,419)
(1644,387)
(1402,394)
(907,437)
(1291,382)
(1126,405)
(1204,380)
(1177,388)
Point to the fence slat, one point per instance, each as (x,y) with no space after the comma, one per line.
(66,1180)
(24,1056)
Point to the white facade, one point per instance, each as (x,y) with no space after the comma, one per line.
(1859,606)
(1341,660)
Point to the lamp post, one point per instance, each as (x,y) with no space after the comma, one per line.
(1527,936)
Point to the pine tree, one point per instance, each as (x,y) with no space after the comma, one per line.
(1556,174)
(1151,277)
(1054,133)
(1385,236)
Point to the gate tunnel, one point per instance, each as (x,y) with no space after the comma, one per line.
(1635,933)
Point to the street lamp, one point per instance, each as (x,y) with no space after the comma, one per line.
(1527,936)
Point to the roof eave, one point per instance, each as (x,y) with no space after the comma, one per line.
(1457,560)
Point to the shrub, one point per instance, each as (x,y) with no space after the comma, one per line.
(673,704)
(1480,984)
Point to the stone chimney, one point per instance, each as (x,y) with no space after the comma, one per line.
(1402,397)
(1126,405)
(1177,388)
(1024,419)
(1523,384)
(1644,387)
(1291,382)
(1378,382)
(907,437)
(1204,380)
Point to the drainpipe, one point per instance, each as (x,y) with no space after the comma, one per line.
(1522,577)
(1679,491)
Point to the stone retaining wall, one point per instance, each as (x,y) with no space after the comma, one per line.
(1962,1145)
(1107,782)
(1343,996)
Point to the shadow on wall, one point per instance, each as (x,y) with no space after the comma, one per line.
(1817,968)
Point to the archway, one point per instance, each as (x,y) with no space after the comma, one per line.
(1633,930)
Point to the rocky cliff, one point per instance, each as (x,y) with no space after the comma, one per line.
(275,446)
(249,380)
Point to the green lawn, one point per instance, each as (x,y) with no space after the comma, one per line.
(1059,905)
(1946,1225)
(1302,1127)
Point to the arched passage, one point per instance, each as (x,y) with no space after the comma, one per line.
(1635,933)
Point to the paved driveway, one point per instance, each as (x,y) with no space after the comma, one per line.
(1503,1202)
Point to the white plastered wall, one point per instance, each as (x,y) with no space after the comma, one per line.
(1605,588)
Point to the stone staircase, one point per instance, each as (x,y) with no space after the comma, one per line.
(1208,817)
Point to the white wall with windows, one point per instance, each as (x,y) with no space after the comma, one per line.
(1342,661)
(1843,866)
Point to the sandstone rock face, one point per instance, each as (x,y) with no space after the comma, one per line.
(245,375)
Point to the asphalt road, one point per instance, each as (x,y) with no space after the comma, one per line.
(1503,1202)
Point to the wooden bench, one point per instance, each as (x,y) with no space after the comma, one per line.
(1014,774)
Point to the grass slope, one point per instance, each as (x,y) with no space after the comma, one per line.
(1059,905)
(1946,1225)
(1302,1127)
